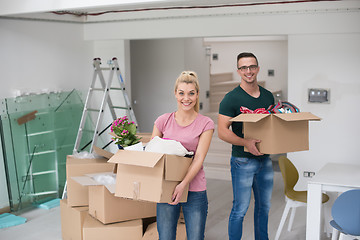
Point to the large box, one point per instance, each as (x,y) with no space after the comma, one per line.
(72,220)
(280,132)
(149,176)
(77,194)
(107,208)
(152,233)
(95,230)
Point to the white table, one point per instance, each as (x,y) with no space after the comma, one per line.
(333,177)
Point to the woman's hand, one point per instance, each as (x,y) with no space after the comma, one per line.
(178,192)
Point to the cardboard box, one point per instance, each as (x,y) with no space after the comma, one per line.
(77,195)
(280,132)
(72,220)
(95,230)
(104,206)
(152,233)
(149,176)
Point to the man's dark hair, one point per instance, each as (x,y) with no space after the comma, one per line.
(246,54)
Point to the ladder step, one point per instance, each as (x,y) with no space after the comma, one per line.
(43,172)
(113,88)
(93,110)
(118,107)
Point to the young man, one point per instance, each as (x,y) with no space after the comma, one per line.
(249,170)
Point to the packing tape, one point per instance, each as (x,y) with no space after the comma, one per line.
(136,190)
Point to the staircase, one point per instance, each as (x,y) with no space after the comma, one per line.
(217,162)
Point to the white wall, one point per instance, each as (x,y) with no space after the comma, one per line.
(197,60)
(155,65)
(41,56)
(107,50)
(271,54)
(330,61)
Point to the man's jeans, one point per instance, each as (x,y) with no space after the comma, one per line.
(195,212)
(257,174)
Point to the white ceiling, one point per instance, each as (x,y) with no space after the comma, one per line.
(179,4)
(110,10)
(14,7)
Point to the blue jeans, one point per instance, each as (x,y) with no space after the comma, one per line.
(247,174)
(195,212)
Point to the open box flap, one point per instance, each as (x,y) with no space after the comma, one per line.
(249,117)
(137,158)
(88,180)
(297,116)
(111,188)
(102,152)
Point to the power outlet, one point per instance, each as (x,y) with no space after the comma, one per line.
(309,174)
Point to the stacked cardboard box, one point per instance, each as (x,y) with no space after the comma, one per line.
(95,209)
(72,221)
(152,233)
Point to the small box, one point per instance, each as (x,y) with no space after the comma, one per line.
(107,208)
(280,132)
(77,195)
(72,220)
(95,230)
(152,233)
(149,176)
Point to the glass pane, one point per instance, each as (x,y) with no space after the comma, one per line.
(38,132)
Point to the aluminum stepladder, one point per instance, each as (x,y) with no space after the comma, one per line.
(105,88)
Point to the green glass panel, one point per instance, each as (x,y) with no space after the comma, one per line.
(35,150)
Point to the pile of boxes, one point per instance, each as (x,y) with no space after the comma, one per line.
(125,209)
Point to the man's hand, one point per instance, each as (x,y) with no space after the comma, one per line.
(250,144)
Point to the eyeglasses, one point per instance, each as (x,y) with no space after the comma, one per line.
(251,67)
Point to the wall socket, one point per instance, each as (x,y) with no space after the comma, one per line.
(309,174)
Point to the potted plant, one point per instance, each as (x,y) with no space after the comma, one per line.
(124,132)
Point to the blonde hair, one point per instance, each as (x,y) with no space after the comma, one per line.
(189,77)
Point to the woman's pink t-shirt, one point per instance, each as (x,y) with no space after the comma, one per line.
(189,137)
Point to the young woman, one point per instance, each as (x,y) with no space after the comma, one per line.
(194,131)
